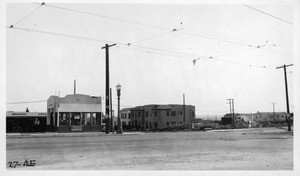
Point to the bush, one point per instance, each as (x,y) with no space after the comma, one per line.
(240,125)
(223,126)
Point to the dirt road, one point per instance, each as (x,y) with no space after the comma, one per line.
(235,150)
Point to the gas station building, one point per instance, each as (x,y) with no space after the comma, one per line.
(74,113)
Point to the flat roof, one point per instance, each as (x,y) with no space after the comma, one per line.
(25,114)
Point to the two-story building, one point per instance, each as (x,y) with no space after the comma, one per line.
(161,116)
(125,114)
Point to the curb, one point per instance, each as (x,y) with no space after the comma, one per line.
(50,135)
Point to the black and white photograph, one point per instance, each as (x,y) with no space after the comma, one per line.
(149,86)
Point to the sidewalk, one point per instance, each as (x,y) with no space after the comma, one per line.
(255,130)
(73,134)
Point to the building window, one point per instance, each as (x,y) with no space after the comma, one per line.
(173,113)
(87,119)
(129,114)
(167,123)
(93,119)
(155,124)
(139,115)
(64,119)
(147,113)
(155,113)
(75,119)
(180,112)
(167,113)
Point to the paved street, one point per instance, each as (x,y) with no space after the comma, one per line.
(271,149)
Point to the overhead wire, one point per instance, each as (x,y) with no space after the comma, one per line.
(184,31)
(107,17)
(268,14)
(156,51)
(65,35)
(23,102)
(150,49)
(152,37)
(28,15)
(154,26)
(197,34)
(285,54)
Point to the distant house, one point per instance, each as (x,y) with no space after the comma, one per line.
(269,116)
(161,116)
(247,117)
(228,118)
(255,117)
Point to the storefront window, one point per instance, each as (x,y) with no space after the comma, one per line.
(98,118)
(75,119)
(93,119)
(64,119)
(87,118)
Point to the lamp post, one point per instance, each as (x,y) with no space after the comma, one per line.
(120,130)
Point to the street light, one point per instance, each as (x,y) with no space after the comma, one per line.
(120,130)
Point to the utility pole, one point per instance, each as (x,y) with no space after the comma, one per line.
(183,109)
(74,86)
(111,115)
(233,120)
(231,106)
(287,95)
(107,125)
(274,111)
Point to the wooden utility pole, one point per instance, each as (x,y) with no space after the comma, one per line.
(231,107)
(111,115)
(107,124)
(287,95)
(274,111)
(74,86)
(233,120)
(183,109)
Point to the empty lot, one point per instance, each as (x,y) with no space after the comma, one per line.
(224,150)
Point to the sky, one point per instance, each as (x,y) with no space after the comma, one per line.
(157,67)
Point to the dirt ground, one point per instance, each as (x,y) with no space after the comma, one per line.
(271,149)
